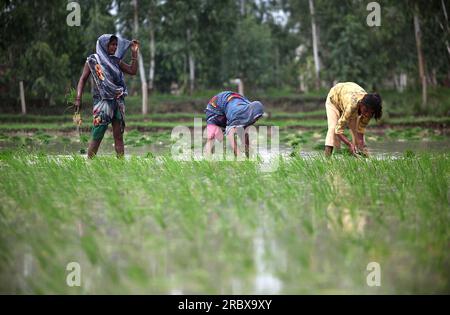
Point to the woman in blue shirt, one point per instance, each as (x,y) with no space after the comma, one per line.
(226,112)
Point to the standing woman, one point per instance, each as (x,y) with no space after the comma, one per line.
(349,104)
(109,90)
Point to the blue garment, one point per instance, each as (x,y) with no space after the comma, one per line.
(105,69)
(216,110)
(244,115)
(237,109)
(215,119)
(105,111)
(218,103)
(109,88)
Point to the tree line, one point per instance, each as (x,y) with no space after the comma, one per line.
(301,45)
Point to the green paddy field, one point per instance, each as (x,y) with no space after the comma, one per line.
(151,224)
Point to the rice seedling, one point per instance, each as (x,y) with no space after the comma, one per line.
(65,123)
(154,225)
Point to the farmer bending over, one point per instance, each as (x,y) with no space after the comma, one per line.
(109,90)
(226,112)
(349,104)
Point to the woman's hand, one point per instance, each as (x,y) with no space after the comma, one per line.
(352,148)
(350,144)
(364,152)
(77,105)
(361,145)
(135,45)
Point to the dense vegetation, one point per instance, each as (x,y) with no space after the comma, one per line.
(268,44)
(155,225)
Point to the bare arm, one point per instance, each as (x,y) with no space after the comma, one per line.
(131,69)
(80,86)
(361,144)
(342,122)
(363,121)
(344,139)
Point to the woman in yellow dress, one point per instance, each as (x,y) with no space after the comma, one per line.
(349,104)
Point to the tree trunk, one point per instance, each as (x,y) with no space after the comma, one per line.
(22,98)
(191,73)
(396,79)
(315,41)
(143,85)
(420,56)
(185,76)
(403,81)
(433,77)
(242,5)
(302,86)
(151,70)
(446,28)
(400,81)
(277,67)
(241,87)
(191,62)
(141,62)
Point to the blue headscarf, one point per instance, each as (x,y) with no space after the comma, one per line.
(109,81)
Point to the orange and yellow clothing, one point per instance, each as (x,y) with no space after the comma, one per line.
(342,110)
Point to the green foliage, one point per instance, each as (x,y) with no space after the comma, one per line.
(37,63)
(70,97)
(127,222)
(249,54)
(226,41)
(353,55)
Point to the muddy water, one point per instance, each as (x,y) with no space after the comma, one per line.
(393,147)
(69,144)
(107,148)
(415,146)
(280,257)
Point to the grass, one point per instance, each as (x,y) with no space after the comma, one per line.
(155,225)
(161,122)
(409,102)
(141,141)
(301,137)
(16,118)
(395,103)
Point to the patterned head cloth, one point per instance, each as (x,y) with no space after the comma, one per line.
(105,67)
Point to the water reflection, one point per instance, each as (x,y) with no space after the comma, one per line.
(340,217)
(65,144)
(265,281)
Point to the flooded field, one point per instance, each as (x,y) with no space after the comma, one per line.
(150,224)
(143,143)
